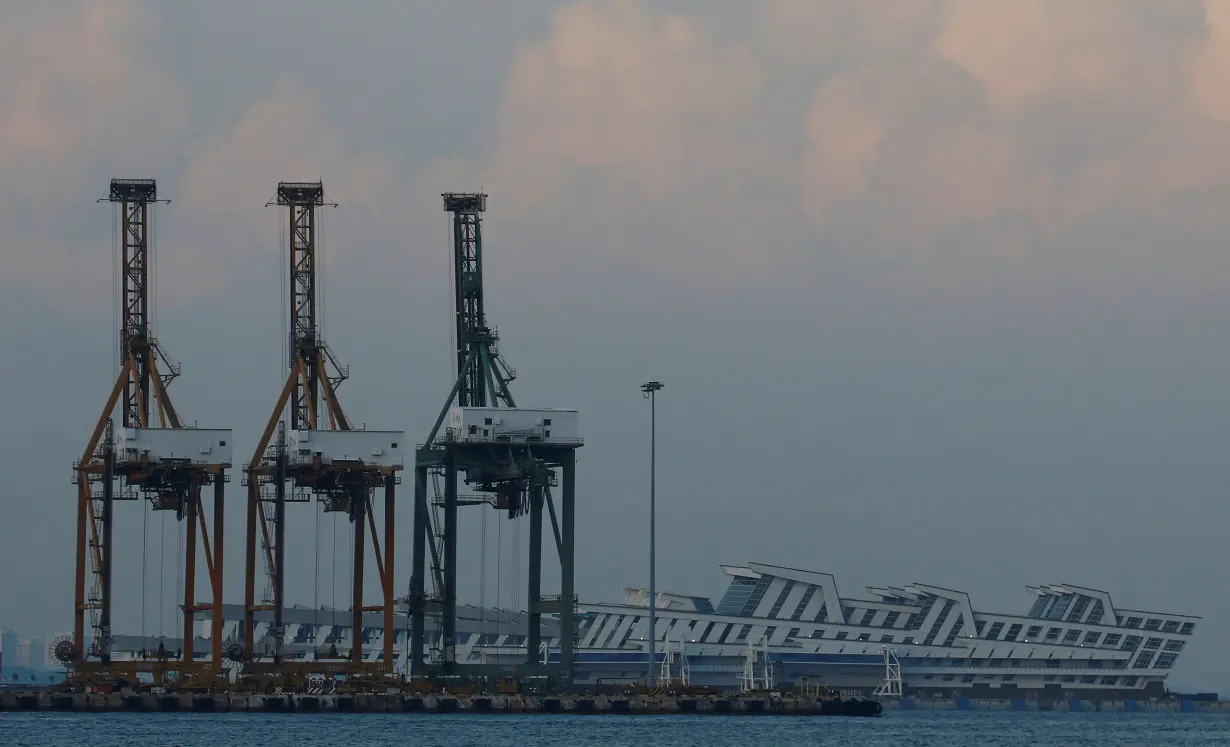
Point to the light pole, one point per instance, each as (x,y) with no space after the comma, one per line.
(649,389)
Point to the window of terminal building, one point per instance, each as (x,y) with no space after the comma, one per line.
(818,633)
(1111,640)
(1095,615)
(1052,634)
(1078,609)
(1175,645)
(997,628)
(1132,622)
(1059,608)
(868,616)
(955,631)
(743,633)
(1143,660)
(1039,606)
(794,633)
(1131,643)
(1072,636)
(802,605)
(1187,628)
(705,633)
(758,592)
(909,639)
(1091,638)
(781,599)
(736,596)
(864,637)
(886,639)
(1165,661)
(917,618)
(1153,624)
(1033,633)
(891,619)
(841,636)
(1153,643)
(1109,680)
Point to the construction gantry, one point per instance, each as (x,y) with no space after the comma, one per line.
(322,456)
(152,455)
(511,457)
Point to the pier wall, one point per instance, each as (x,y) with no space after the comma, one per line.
(1023,704)
(434,703)
(644,704)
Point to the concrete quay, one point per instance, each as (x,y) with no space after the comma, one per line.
(1072,706)
(431,703)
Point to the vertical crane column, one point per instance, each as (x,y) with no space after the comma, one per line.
(301,202)
(471,329)
(134,199)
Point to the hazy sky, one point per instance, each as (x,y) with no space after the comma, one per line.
(937,289)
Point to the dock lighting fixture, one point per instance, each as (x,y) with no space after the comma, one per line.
(649,389)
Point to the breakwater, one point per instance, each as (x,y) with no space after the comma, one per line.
(434,703)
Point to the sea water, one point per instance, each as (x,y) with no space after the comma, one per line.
(896,728)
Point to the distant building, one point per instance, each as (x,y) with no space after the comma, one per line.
(19,652)
(789,625)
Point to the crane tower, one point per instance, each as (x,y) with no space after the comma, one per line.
(510,457)
(321,455)
(153,456)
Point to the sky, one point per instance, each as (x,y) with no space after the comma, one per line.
(936,289)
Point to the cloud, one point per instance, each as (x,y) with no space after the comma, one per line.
(1024,53)
(82,99)
(645,103)
(285,136)
(1043,113)
(914,119)
(77,84)
(836,34)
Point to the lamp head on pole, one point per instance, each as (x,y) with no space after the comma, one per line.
(650,387)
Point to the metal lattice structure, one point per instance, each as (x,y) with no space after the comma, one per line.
(891,686)
(515,477)
(281,472)
(103,477)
